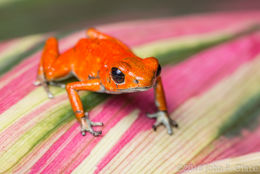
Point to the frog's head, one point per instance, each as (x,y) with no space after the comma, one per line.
(133,74)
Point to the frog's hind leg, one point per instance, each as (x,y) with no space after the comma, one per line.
(52,66)
(93,33)
(49,55)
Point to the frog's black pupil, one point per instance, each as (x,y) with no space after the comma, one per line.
(158,70)
(117,75)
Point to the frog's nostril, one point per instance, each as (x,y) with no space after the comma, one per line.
(158,70)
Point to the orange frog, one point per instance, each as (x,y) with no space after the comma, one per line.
(103,64)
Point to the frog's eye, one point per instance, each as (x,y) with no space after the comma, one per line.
(117,75)
(159,69)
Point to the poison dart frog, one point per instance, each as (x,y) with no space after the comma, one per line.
(104,64)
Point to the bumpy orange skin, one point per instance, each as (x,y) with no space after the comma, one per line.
(91,61)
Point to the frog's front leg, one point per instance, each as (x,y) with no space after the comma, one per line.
(162,116)
(83,118)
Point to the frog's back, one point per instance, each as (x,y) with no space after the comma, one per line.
(92,54)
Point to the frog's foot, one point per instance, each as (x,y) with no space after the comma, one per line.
(41,81)
(162,118)
(86,126)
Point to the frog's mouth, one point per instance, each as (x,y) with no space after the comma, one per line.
(130,90)
(137,89)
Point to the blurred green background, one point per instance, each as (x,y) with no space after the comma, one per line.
(24,17)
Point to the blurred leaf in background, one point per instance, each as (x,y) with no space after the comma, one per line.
(24,17)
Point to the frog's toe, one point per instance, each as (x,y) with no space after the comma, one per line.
(94,133)
(37,83)
(174,123)
(96,123)
(40,81)
(153,115)
(162,118)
